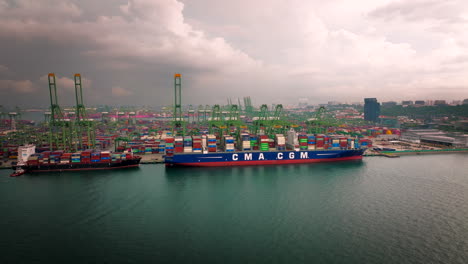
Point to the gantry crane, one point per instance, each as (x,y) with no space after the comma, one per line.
(215,122)
(60,128)
(262,119)
(191,115)
(315,124)
(178,121)
(201,115)
(3,115)
(85,125)
(249,110)
(276,125)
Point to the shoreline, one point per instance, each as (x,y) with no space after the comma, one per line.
(417,152)
(157,158)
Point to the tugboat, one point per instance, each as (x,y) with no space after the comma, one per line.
(23,153)
(18,172)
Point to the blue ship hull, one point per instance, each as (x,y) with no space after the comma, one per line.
(240,158)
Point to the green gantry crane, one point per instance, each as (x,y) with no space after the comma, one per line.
(85,126)
(249,110)
(60,133)
(178,121)
(262,120)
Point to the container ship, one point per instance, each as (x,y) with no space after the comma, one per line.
(209,151)
(48,161)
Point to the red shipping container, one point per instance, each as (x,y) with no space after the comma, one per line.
(179,149)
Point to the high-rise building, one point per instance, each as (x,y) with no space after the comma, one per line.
(371,109)
(440,102)
(389,104)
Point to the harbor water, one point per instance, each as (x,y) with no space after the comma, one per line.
(413,209)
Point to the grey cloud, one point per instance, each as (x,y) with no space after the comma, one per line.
(447,11)
(129,50)
(21,86)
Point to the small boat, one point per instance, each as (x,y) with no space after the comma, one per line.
(18,172)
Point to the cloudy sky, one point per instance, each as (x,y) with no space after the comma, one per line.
(274,51)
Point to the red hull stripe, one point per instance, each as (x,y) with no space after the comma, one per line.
(88,169)
(261,162)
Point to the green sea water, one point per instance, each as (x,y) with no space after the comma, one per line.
(413,209)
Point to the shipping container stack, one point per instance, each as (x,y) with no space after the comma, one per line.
(229,143)
(197,144)
(12,153)
(154,147)
(178,144)
(271,143)
(188,144)
(33,159)
(264,143)
(115,156)
(76,157)
(211,143)
(162,146)
(319,142)
(310,142)
(244,144)
(44,158)
(105,156)
(327,142)
(65,158)
(96,156)
(302,142)
(148,149)
(254,142)
(365,143)
(343,143)
(54,157)
(169,146)
(86,156)
(335,143)
(280,142)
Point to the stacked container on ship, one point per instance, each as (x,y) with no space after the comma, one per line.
(85,160)
(248,149)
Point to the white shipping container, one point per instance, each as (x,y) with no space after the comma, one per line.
(311,147)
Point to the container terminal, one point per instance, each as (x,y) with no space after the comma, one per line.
(220,128)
